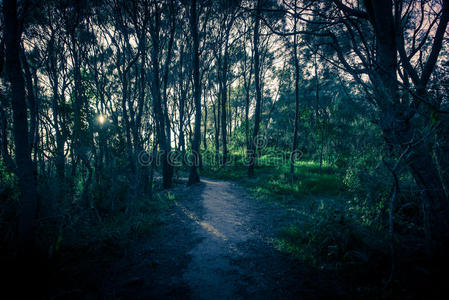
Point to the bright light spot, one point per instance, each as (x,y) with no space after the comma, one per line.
(101,119)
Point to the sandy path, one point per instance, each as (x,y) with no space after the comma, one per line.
(216,245)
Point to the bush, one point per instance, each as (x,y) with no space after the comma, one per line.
(9,205)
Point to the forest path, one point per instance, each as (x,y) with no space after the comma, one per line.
(216,244)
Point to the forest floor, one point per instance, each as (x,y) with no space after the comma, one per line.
(217,243)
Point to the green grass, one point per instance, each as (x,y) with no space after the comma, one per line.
(274,182)
(330,228)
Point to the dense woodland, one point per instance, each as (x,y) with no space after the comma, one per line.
(108,105)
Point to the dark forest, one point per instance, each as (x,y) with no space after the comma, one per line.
(229,149)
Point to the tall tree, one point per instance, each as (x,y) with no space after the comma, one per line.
(24,170)
(395,117)
(193,18)
(158,105)
(254,142)
(397,89)
(296,120)
(223,70)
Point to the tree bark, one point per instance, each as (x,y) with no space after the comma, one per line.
(253,143)
(33,134)
(60,140)
(398,129)
(247,83)
(157,101)
(194,177)
(27,183)
(165,82)
(205,122)
(217,129)
(295,129)
(182,98)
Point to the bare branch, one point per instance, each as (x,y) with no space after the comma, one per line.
(350,11)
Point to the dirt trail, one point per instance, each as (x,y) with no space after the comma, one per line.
(217,245)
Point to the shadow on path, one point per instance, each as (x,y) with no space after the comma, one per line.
(216,244)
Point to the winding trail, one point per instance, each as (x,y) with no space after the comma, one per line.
(216,244)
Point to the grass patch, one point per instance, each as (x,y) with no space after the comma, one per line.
(330,228)
(274,182)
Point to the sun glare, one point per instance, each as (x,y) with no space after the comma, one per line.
(101,119)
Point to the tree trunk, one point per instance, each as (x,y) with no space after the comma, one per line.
(247,96)
(77,104)
(27,183)
(224,91)
(125,118)
(253,143)
(194,177)
(182,98)
(141,171)
(157,101)
(60,141)
(165,83)
(217,131)
(205,122)
(32,137)
(295,129)
(397,128)
(223,97)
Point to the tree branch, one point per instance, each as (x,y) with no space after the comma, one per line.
(350,11)
(437,44)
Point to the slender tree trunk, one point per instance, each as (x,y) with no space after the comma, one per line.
(223,120)
(165,83)
(141,171)
(32,137)
(205,122)
(60,137)
(27,183)
(295,129)
(217,110)
(247,83)
(317,91)
(80,137)
(194,177)
(247,97)
(217,131)
(125,117)
(60,160)
(157,101)
(36,137)
(224,92)
(182,98)
(253,143)
(77,104)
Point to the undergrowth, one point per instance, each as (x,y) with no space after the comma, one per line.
(331,228)
(101,235)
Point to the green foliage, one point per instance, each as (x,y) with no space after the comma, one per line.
(8,184)
(9,205)
(273,180)
(330,233)
(334,228)
(87,231)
